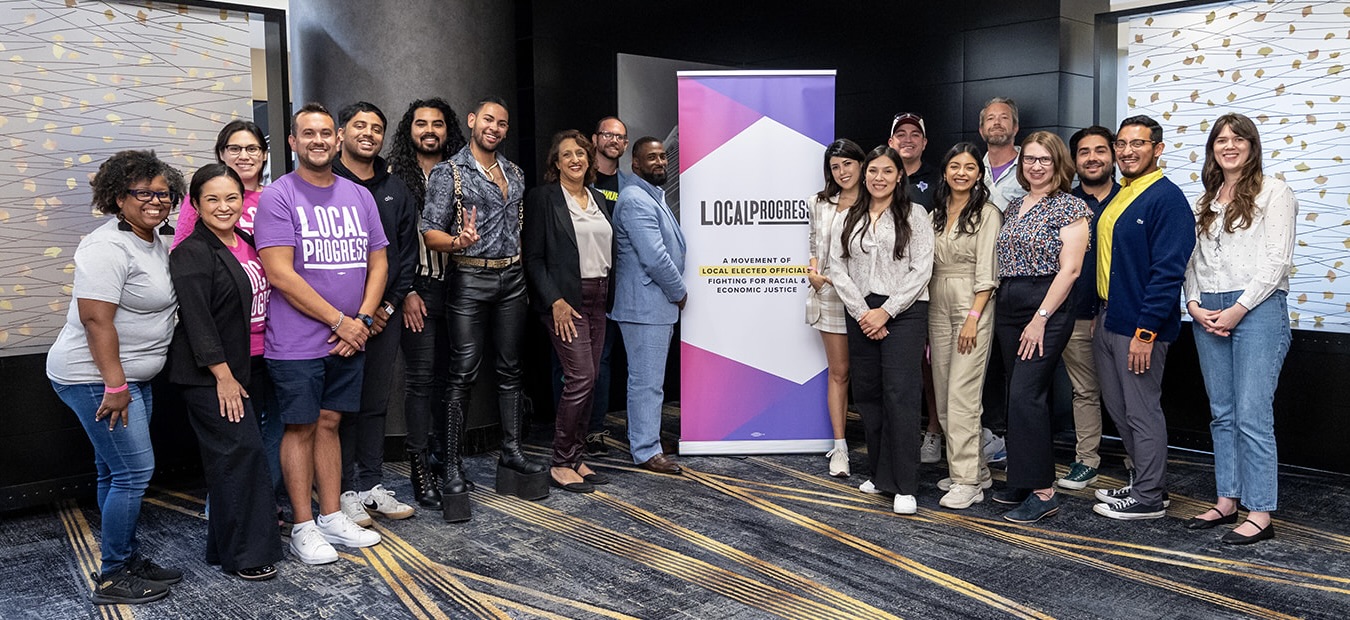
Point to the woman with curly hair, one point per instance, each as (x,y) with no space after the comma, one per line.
(961,317)
(1236,285)
(880,266)
(115,340)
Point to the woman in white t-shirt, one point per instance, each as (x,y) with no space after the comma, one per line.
(1236,284)
(115,340)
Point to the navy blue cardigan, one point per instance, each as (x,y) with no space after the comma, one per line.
(1150,246)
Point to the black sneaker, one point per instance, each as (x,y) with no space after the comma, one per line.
(144,568)
(1109,496)
(125,588)
(1129,509)
(595,442)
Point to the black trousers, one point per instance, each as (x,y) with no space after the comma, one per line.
(242,529)
(426,360)
(1031,459)
(484,303)
(887,383)
(362,432)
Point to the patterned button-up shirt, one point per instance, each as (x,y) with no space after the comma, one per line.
(498,217)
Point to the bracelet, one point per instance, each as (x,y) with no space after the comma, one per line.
(338,323)
(116,390)
(974,314)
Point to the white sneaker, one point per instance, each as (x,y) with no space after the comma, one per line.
(380,500)
(869,488)
(930,451)
(905,505)
(337,529)
(961,496)
(351,506)
(986,481)
(308,545)
(838,463)
(994,448)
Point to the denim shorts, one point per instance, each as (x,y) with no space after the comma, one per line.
(303,387)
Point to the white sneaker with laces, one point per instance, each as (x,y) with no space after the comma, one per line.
(905,505)
(351,506)
(986,481)
(337,529)
(869,488)
(961,496)
(930,451)
(838,463)
(308,545)
(380,501)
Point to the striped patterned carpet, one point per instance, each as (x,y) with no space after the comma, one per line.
(755,537)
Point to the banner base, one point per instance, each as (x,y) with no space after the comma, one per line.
(780,446)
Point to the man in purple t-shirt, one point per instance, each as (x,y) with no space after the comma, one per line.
(322,246)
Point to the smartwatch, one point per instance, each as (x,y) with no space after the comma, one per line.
(388,307)
(1145,336)
(366,320)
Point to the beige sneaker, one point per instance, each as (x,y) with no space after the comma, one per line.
(961,496)
(380,501)
(986,481)
(838,463)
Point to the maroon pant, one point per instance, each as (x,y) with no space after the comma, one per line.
(580,364)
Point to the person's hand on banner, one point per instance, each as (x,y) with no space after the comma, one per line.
(680,303)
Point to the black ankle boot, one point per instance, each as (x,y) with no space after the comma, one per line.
(425,486)
(513,429)
(455,491)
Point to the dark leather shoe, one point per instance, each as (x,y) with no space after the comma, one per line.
(662,464)
(1234,538)
(1196,523)
(573,487)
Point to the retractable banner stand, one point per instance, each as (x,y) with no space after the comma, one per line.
(753,374)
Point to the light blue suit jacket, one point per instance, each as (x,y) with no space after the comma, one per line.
(648,258)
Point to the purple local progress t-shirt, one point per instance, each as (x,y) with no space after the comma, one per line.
(333,230)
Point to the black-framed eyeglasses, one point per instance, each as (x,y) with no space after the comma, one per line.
(617,137)
(1029,160)
(235,149)
(1134,144)
(145,196)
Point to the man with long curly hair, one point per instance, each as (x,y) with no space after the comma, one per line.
(426,136)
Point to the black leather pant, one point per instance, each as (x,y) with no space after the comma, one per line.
(484,303)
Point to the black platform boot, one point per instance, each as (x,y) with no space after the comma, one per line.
(516,474)
(435,456)
(455,491)
(426,488)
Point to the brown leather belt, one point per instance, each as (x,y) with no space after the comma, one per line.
(489,263)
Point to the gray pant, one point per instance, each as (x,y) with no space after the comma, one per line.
(1135,404)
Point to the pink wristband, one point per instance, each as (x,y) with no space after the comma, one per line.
(973,314)
(116,390)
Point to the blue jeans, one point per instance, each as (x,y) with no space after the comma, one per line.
(125,462)
(1241,372)
(647,346)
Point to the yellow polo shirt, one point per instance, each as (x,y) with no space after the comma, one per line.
(1106,224)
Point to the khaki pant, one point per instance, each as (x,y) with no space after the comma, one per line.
(958,379)
(1087,406)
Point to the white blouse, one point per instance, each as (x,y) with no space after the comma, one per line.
(1255,260)
(594,236)
(872,268)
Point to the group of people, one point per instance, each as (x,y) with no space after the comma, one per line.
(440,248)
(432,251)
(1001,252)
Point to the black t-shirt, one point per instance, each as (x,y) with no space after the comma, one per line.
(922,185)
(608,184)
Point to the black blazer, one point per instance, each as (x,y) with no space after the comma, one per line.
(549,247)
(215,301)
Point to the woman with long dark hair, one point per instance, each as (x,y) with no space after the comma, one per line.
(1040,252)
(567,245)
(960,316)
(824,310)
(1236,285)
(880,267)
(222,295)
(115,340)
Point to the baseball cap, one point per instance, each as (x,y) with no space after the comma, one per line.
(908,118)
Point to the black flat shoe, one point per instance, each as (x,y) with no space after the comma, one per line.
(1196,523)
(260,573)
(1234,538)
(574,487)
(594,477)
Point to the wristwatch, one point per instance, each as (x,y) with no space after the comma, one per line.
(365,318)
(1145,336)
(1043,313)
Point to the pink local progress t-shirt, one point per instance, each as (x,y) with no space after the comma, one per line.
(257,318)
(333,230)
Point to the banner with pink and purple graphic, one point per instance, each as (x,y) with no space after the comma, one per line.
(752,373)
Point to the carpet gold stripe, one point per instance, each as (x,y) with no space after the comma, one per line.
(88,555)
(414,598)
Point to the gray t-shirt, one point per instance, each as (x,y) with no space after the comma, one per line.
(118,267)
